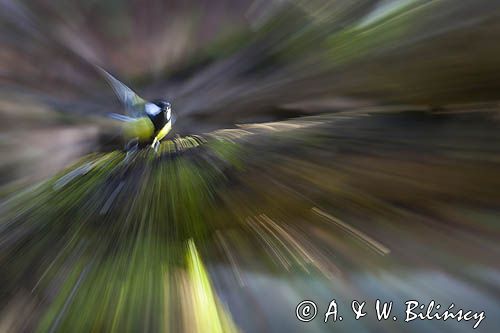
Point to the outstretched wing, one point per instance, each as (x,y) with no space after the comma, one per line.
(134,105)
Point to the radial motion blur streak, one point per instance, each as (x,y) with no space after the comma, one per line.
(322,150)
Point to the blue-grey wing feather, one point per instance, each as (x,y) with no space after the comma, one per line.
(134,105)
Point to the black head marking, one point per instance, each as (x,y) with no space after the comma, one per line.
(165,107)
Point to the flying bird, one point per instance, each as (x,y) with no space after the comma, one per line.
(145,122)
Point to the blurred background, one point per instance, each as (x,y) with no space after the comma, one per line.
(323,149)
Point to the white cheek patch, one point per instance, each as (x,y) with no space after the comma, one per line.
(152,109)
(169,114)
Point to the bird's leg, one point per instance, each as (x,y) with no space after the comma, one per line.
(131,147)
(155,145)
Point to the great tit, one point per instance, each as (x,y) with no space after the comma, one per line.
(148,122)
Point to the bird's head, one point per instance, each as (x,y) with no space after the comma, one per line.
(165,107)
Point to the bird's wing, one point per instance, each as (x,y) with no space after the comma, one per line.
(134,105)
(121,117)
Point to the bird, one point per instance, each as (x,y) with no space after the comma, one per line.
(145,122)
